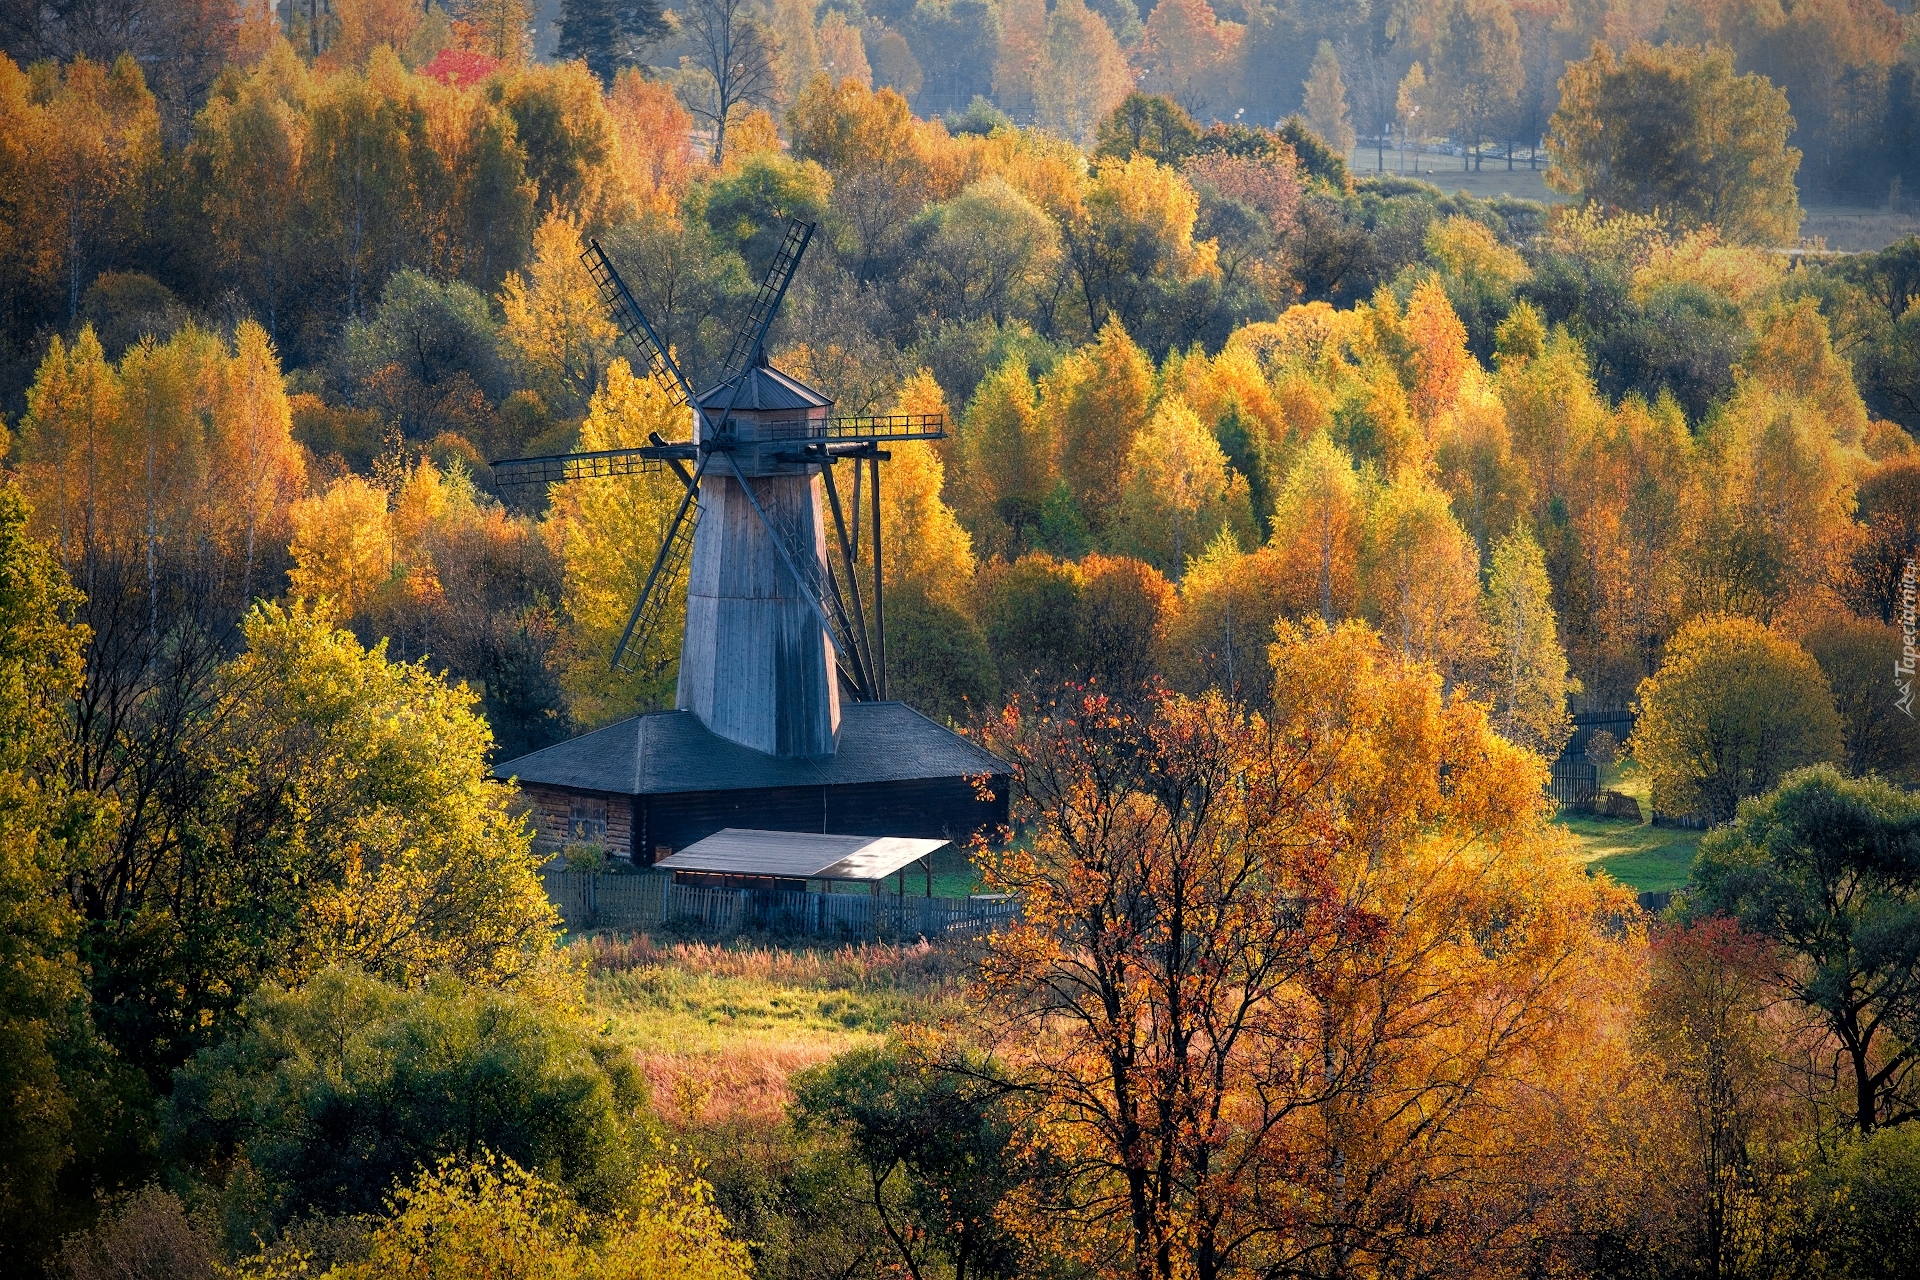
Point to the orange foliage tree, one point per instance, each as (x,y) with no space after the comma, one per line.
(1251,996)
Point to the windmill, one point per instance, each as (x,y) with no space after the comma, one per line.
(777,630)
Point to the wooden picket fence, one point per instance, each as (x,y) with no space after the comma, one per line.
(596,900)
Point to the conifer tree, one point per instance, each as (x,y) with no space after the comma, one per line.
(1325,105)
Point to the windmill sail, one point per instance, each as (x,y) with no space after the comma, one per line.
(633,325)
(669,565)
(750,340)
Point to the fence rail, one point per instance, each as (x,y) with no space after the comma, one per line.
(592,900)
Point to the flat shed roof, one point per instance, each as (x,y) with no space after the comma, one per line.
(799,855)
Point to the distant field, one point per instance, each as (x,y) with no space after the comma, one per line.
(719,1029)
(1843,229)
(1494,178)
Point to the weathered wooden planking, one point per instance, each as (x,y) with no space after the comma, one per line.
(756,666)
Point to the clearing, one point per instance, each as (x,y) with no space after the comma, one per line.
(1637,854)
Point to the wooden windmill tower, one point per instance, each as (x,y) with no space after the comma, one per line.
(777,629)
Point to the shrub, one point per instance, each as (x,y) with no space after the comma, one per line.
(336,1092)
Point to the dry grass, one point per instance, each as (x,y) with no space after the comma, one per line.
(720,1029)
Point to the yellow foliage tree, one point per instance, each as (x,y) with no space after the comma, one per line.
(1420,579)
(1006,450)
(342,546)
(1317,524)
(371,776)
(556,331)
(483,1215)
(1096,401)
(1229,601)
(183,449)
(606,533)
(926,549)
(1084,74)
(1733,708)
(1179,491)
(1527,672)
(1286,941)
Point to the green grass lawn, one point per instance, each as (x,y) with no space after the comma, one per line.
(1641,856)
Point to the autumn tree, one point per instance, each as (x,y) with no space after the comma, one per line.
(1420,579)
(1317,526)
(1229,600)
(1731,711)
(606,533)
(1179,491)
(1888,500)
(1673,130)
(1008,464)
(1325,105)
(1708,1065)
(43,833)
(936,1148)
(1218,990)
(96,130)
(1528,668)
(1131,237)
(249,145)
(735,53)
(1475,70)
(556,332)
(1085,72)
(1187,53)
(1097,400)
(1818,867)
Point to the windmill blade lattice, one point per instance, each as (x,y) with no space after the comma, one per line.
(669,567)
(557,468)
(632,323)
(766,303)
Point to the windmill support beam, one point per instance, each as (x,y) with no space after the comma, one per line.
(879,589)
(853,578)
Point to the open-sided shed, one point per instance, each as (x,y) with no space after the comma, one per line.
(735,858)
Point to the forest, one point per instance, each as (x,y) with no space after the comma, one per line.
(1294,520)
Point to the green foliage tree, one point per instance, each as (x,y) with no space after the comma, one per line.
(44,832)
(1673,131)
(1825,867)
(1149,124)
(338,1091)
(937,658)
(609,34)
(1858,656)
(1731,711)
(937,1148)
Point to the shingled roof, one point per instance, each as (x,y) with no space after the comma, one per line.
(671,751)
(767,389)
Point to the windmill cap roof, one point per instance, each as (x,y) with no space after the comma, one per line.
(767,389)
(671,751)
